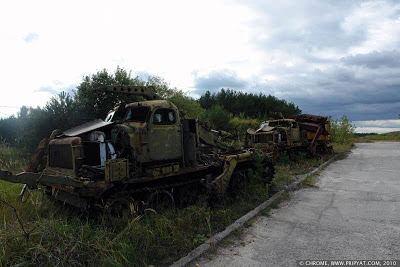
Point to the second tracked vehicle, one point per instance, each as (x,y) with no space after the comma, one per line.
(308,133)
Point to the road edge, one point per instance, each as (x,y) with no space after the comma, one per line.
(214,240)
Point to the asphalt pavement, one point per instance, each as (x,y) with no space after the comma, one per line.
(352,214)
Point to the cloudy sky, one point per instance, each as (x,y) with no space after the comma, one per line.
(328,57)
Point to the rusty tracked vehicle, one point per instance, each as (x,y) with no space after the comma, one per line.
(303,132)
(143,152)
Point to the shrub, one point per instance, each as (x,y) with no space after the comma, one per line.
(342,131)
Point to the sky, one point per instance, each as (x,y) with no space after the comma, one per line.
(330,58)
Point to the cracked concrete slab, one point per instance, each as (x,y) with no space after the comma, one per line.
(353,213)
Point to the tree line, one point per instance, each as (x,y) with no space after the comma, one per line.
(248,104)
(226,110)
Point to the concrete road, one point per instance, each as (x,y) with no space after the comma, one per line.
(354,213)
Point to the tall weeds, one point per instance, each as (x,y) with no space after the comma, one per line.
(60,235)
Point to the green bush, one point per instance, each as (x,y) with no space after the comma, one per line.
(219,118)
(342,131)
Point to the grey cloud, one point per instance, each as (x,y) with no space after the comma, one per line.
(374,59)
(305,27)
(218,79)
(363,103)
(344,75)
(361,94)
(30,37)
(311,58)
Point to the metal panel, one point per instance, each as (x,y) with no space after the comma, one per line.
(165,141)
(116,170)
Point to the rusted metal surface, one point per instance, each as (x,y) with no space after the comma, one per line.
(310,118)
(65,155)
(38,162)
(302,132)
(182,172)
(165,137)
(72,141)
(317,128)
(217,139)
(33,179)
(314,140)
(220,184)
(152,104)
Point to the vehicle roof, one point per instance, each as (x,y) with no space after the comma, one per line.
(152,104)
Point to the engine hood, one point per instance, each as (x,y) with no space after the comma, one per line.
(87,127)
(265,129)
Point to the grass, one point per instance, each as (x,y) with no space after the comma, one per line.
(61,236)
(12,159)
(286,170)
(392,136)
(311,179)
(266,212)
(343,148)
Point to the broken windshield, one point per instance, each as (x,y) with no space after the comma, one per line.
(137,114)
